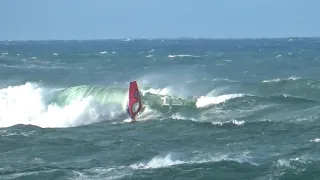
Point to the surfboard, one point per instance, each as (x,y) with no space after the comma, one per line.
(134,105)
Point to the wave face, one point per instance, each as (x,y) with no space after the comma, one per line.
(213,109)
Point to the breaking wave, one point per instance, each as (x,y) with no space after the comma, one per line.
(35,104)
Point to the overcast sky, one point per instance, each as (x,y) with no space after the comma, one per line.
(104,19)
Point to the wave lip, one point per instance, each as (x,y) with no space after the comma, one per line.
(205,101)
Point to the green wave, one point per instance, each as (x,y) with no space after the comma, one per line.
(104,95)
(116,95)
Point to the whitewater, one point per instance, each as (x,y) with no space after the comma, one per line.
(213,109)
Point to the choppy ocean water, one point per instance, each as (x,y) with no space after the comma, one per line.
(241,109)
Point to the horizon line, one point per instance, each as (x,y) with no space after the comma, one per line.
(165,38)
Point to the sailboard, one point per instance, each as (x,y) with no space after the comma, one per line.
(134,105)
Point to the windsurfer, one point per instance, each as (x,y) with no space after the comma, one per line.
(134,104)
(128,111)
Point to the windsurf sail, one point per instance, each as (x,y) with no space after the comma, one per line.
(134,102)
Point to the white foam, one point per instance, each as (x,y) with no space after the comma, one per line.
(236,122)
(5,132)
(181,55)
(239,123)
(223,79)
(27,104)
(278,79)
(168,160)
(178,116)
(315,140)
(102,173)
(292,163)
(164,91)
(157,162)
(205,101)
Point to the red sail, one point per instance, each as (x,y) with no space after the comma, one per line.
(134,103)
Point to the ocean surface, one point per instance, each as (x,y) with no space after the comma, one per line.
(237,109)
